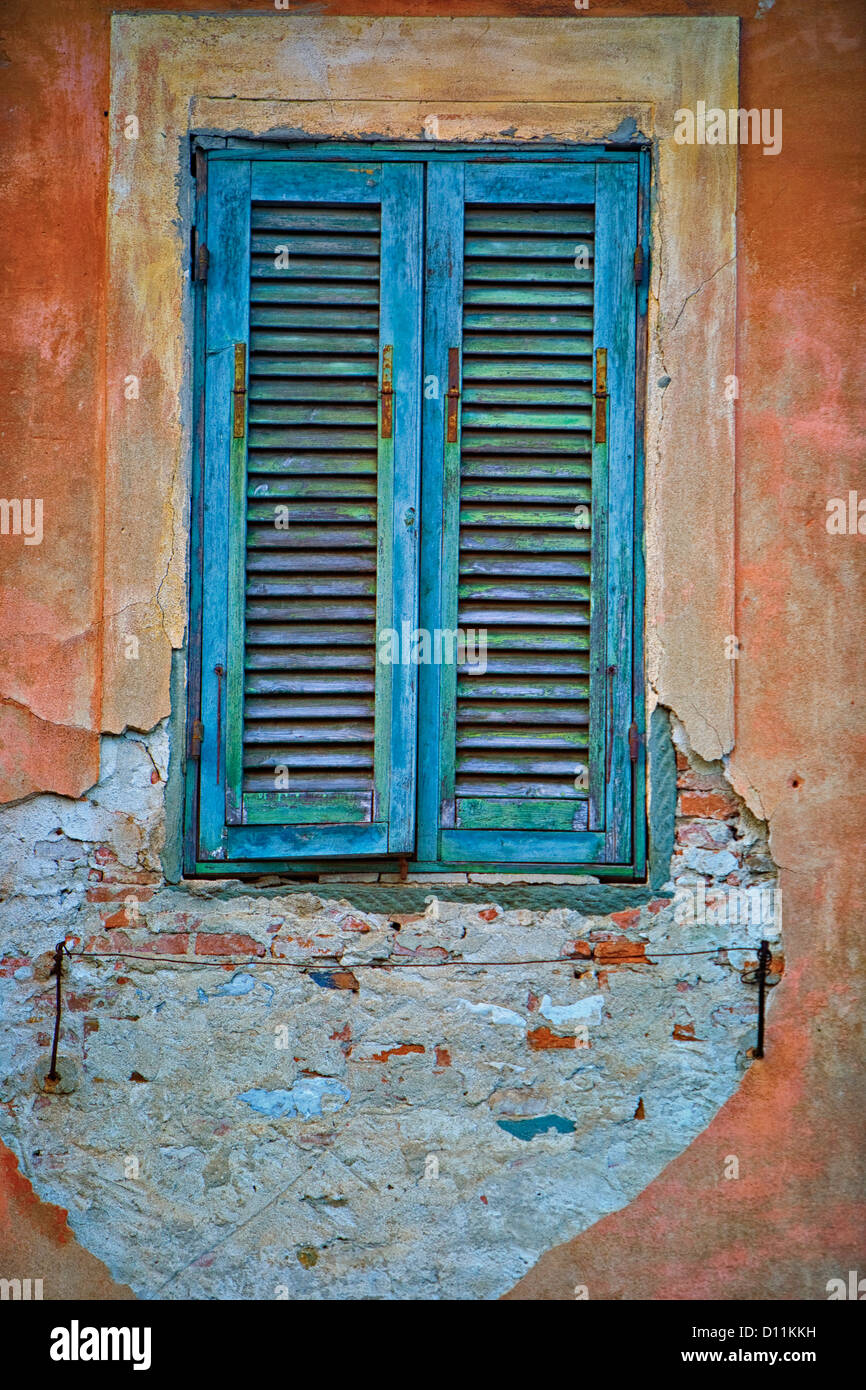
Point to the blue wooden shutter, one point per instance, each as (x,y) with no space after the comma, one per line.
(310,497)
(529,513)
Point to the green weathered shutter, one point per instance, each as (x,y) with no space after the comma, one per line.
(529,513)
(310,494)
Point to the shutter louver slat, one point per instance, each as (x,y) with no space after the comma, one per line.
(522,725)
(313,439)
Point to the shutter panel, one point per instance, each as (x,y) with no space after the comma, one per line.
(315,273)
(532,264)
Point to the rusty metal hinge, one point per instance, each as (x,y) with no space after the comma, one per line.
(196,737)
(453,395)
(635,738)
(638,266)
(239,392)
(199,258)
(387,392)
(600,394)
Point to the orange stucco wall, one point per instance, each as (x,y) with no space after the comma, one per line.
(794,1218)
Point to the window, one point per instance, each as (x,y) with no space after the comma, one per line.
(416,607)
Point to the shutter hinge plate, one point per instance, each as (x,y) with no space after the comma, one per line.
(386,394)
(239,392)
(196,736)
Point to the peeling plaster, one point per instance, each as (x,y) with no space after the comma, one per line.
(274,1115)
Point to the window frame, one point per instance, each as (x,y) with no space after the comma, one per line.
(429,153)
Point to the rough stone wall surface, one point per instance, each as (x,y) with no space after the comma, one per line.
(280,1095)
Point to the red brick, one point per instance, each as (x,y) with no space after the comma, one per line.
(116,891)
(400,1051)
(693,833)
(542,1039)
(488,913)
(112,941)
(123,918)
(658,905)
(227,944)
(355,924)
(684,1032)
(620,950)
(79,1003)
(712,805)
(425,953)
(577,950)
(344,979)
(9,964)
(699,781)
(627,919)
(443,1056)
(119,873)
(167,944)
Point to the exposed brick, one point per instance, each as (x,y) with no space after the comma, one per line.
(427,953)
(684,1032)
(120,874)
(335,979)
(111,941)
(620,949)
(699,781)
(167,944)
(713,805)
(116,891)
(443,1056)
(658,905)
(577,950)
(227,944)
(694,833)
(489,913)
(626,919)
(122,918)
(541,1039)
(9,964)
(79,1003)
(402,1051)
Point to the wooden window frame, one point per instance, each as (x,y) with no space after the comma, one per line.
(633,867)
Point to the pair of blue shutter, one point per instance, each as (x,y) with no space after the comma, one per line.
(416,606)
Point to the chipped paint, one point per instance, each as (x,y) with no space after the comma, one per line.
(311,1096)
(587,1010)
